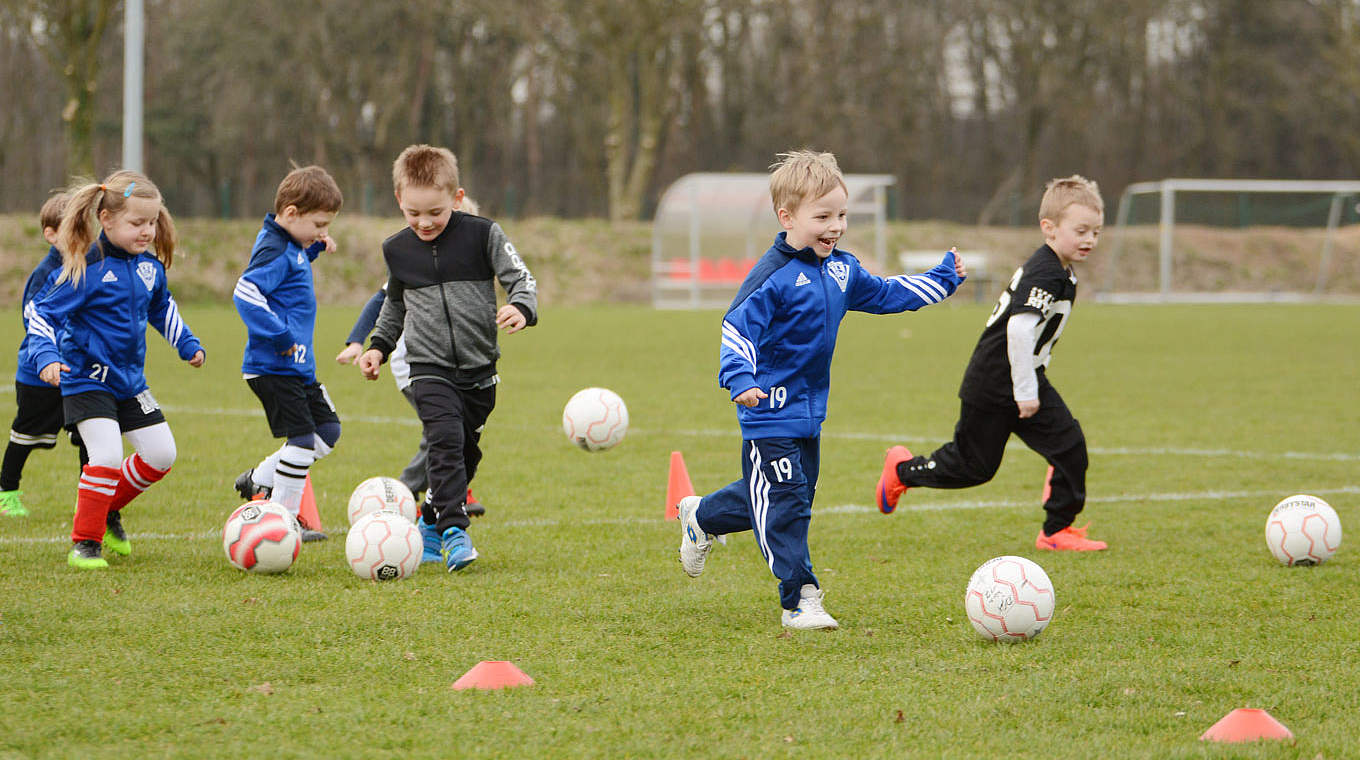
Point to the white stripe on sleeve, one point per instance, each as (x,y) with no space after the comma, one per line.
(39,326)
(250,293)
(739,343)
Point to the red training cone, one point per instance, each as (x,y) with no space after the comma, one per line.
(1246,724)
(493,674)
(1048,485)
(307,514)
(678,486)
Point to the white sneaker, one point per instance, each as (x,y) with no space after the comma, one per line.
(809,615)
(694,542)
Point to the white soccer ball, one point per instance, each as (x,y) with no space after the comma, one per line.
(383,546)
(382,492)
(261,537)
(1009,599)
(1303,530)
(595,419)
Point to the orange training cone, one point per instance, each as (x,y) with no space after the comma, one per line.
(1048,485)
(678,486)
(1246,724)
(307,514)
(493,674)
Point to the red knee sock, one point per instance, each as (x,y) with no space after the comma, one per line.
(136,477)
(97,487)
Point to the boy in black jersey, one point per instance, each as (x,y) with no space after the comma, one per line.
(1005,389)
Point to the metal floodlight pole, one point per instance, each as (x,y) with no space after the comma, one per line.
(134,36)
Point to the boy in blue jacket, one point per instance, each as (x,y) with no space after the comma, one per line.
(39,416)
(276,300)
(777,340)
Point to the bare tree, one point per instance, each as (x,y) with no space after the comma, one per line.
(69,34)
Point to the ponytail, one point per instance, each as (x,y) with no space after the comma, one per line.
(77,230)
(166,239)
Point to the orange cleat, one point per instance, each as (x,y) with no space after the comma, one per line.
(890,488)
(1068,539)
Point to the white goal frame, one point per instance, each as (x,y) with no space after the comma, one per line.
(1340,190)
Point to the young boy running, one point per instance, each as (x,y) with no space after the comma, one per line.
(1006,389)
(775,360)
(276,300)
(441,297)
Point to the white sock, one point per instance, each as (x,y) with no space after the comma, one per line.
(290,477)
(264,471)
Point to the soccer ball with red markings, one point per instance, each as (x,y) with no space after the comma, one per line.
(595,419)
(1303,530)
(383,546)
(1009,599)
(382,492)
(261,537)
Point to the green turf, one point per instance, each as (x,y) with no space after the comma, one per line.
(1199,418)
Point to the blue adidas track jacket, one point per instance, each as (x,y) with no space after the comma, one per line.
(780,331)
(38,282)
(277,301)
(98,328)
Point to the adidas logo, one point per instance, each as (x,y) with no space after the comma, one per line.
(109,276)
(802,280)
(301,260)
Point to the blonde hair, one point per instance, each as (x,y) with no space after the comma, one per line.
(308,188)
(78,225)
(425,166)
(801,175)
(470,206)
(1063,192)
(53,209)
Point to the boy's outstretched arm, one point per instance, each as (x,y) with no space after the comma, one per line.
(877,295)
(363,325)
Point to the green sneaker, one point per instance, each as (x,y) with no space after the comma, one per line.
(115,538)
(11,505)
(85,555)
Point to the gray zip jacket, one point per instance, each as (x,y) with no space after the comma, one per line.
(441,295)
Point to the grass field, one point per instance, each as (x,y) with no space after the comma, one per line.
(1199,418)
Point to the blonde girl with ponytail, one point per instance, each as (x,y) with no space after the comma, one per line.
(88,337)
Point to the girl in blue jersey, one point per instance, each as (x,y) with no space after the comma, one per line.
(87,336)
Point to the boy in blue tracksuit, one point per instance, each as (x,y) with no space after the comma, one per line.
(277,302)
(777,340)
(39,416)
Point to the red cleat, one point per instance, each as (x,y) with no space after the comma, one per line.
(1068,539)
(890,487)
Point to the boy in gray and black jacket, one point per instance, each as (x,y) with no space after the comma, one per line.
(441,295)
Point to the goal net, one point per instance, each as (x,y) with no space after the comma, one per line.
(1234,240)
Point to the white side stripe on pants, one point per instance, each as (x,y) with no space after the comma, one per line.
(760,504)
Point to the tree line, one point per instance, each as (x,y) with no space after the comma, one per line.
(591,107)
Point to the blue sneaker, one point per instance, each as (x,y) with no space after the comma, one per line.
(457,549)
(430,538)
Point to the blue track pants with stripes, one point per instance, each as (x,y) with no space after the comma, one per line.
(774,500)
